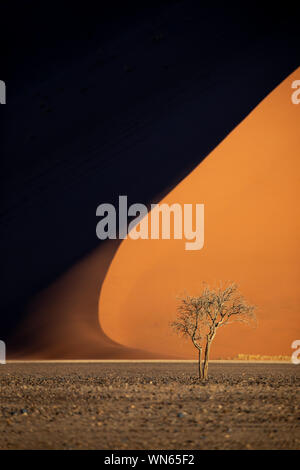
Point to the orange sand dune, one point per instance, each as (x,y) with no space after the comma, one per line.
(250,187)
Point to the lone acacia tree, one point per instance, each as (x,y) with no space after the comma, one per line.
(199,318)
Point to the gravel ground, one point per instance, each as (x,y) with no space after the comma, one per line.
(149,406)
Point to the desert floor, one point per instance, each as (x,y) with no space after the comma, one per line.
(149,406)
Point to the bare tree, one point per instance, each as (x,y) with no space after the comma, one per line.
(199,318)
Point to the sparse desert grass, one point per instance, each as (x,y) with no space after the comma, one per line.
(258,357)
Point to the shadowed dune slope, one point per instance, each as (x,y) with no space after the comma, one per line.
(62,320)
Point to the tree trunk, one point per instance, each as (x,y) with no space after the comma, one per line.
(206,357)
(199,363)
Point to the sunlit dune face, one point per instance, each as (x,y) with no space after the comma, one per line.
(250,187)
